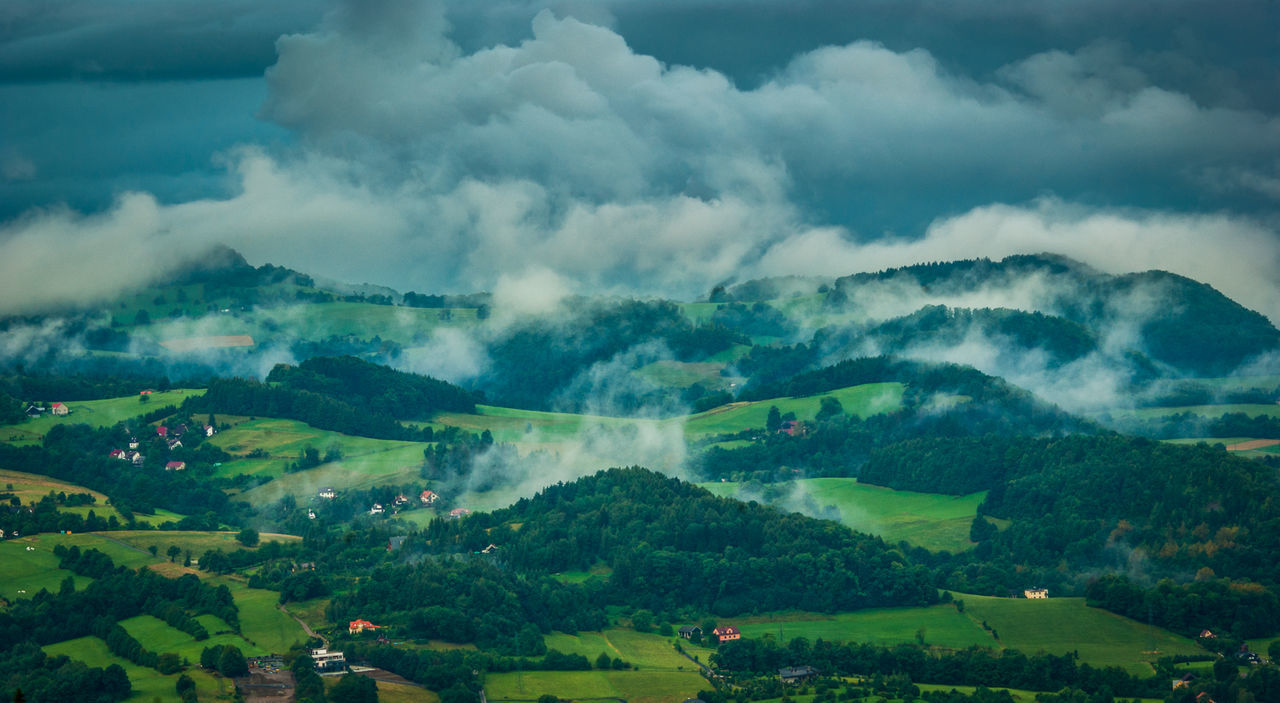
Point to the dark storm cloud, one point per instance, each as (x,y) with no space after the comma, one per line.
(460,146)
(51,40)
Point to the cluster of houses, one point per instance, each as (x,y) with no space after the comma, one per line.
(1036,593)
(426,498)
(173,439)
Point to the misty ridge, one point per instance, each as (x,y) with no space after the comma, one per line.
(634,370)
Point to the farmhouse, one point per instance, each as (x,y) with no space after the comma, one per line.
(725,634)
(209,431)
(797,674)
(34,411)
(489,549)
(458,512)
(1036,593)
(1207,634)
(117,454)
(174,443)
(355,627)
(376,509)
(175,466)
(59,409)
(133,442)
(327,493)
(162,431)
(135,458)
(428,497)
(402,499)
(688,631)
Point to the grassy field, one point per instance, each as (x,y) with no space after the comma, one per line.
(682,374)
(1055,625)
(929,520)
(98,413)
(283,440)
(159,637)
(644,650)
(195,542)
(403,693)
(864,400)
(262,623)
(21,570)
(148,684)
(1061,625)
(635,686)
(943,627)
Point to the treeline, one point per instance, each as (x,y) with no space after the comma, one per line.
(1188,424)
(378,389)
(46,516)
(1241,608)
(45,679)
(975,666)
(239,396)
(61,388)
(1061,339)
(671,545)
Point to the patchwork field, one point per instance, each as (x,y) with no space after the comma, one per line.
(634,686)
(864,400)
(928,520)
(148,684)
(263,624)
(281,441)
(98,413)
(645,650)
(159,637)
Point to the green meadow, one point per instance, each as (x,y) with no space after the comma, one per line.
(148,684)
(1062,625)
(644,650)
(943,626)
(31,488)
(21,570)
(161,638)
(682,374)
(634,686)
(281,441)
(864,400)
(930,520)
(98,413)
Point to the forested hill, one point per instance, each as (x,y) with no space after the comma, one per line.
(670,545)
(378,389)
(1181,322)
(1084,503)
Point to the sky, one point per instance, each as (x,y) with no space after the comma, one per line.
(634,147)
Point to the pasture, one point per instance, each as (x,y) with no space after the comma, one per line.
(682,374)
(97,413)
(279,442)
(634,686)
(862,401)
(21,570)
(157,636)
(644,650)
(148,684)
(930,520)
(195,542)
(1211,411)
(1061,625)
(943,626)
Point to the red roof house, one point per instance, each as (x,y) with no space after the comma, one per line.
(175,466)
(117,454)
(355,627)
(724,634)
(428,497)
(59,409)
(162,431)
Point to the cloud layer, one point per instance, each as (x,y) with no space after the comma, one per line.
(569,155)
